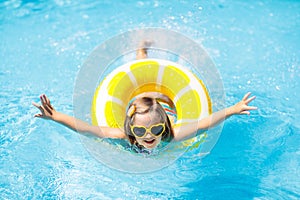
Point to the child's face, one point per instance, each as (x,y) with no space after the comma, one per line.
(149,141)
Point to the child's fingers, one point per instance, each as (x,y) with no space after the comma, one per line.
(45,105)
(50,106)
(49,103)
(250,99)
(38,115)
(48,109)
(245,113)
(38,106)
(44,99)
(45,108)
(46,102)
(246,96)
(251,108)
(35,104)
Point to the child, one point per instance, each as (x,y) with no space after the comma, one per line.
(150,119)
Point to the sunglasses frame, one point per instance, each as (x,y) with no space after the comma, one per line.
(147,130)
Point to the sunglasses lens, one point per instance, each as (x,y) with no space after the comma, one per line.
(156,130)
(139,131)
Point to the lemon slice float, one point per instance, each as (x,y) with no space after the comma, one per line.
(184,88)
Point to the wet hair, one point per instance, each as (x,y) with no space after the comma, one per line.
(146,105)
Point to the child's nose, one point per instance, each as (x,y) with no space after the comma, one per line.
(148,135)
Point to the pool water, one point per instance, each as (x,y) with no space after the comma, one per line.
(255,47)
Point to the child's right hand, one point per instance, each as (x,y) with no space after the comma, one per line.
(47,110)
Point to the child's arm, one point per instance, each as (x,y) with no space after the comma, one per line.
(48,112)
(214,119)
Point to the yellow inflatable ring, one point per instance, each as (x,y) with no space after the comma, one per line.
(183,87)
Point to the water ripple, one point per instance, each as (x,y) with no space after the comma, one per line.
(235,187)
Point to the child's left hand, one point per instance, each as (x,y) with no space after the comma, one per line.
(242,107)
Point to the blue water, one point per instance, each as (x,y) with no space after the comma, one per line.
(255,47)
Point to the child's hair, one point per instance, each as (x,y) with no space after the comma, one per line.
(147,105)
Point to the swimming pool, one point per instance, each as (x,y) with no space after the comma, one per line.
(43,45)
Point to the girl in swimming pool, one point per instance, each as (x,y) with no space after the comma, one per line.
(150,119)
(147,122)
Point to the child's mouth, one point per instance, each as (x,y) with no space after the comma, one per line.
(149,141)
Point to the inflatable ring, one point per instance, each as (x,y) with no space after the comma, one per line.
(183,87)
